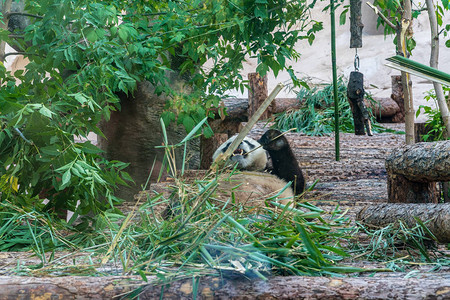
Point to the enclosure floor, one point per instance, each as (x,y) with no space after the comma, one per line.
(359,177)
(356,180)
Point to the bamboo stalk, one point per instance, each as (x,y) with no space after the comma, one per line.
(222,158)
(335,91)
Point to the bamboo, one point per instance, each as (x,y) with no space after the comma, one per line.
(335,91)
(222,158)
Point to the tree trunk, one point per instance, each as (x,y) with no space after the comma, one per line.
(5,10)
(398,96)
(434,60)
(409,109)
(403,31)
(437,216)
(413,171)
(239,287)
(257,93)
(133,132)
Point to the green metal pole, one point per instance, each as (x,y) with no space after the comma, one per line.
(335,90)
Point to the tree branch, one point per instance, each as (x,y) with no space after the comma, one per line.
(7,16)
(5,10)
(14,53)
(22,136)
(434,60)
(385,19)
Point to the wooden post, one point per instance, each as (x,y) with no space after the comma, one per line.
(257,93)
(446,191)
(421,129)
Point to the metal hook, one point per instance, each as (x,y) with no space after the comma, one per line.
(356,62)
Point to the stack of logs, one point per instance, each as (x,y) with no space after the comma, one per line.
(413,173)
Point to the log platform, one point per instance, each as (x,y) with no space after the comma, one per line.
(357,180)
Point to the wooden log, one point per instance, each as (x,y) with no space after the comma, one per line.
(257,93)
(383,108)
(239,287)
(356,25)
(284,104)
(402,190)
(421,162)
(399,97)
(355,94)
(413,171)
(437,215)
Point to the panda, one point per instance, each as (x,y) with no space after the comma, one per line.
(251,186)
(284,163)
(249,155)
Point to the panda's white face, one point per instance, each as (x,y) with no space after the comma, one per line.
(245,155)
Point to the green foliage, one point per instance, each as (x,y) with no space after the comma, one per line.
(393,10)
(40,158)
(393,240)
(316,113)
(199,236)
(84,53)
(109,45)
(434,123)
(251,241)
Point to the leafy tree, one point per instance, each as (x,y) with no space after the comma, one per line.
(83,53)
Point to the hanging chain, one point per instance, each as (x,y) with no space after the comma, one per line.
(356,61)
